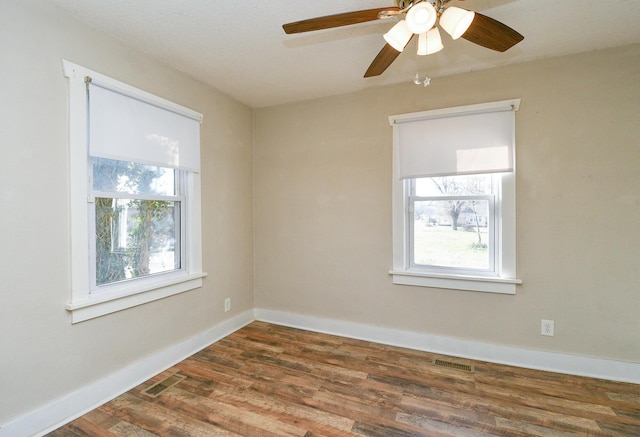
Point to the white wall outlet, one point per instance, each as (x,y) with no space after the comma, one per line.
(546,327)
(227,304)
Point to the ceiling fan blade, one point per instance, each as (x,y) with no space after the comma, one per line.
(336,20)
(492,34)
(381,62)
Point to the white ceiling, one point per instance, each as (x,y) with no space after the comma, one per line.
(240,48)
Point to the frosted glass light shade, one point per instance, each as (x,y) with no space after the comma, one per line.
(421,17)
(422,44)
(398,36)
(429,42)
(434,42)
(456,21)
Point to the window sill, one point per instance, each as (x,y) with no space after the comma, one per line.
(108,303)
(455,282)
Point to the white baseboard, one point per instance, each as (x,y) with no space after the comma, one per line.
(55,414)
(527,358)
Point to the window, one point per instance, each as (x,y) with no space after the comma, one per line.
(135,196)
(135,215)
(452,224)
(454,198)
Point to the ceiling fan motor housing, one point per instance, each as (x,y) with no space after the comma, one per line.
(404,4)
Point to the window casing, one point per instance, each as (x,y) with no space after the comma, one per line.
(135,217)
(427,251)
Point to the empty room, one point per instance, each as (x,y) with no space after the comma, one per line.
(335,218)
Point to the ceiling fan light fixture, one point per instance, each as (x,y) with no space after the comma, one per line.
(398,36)
(456,21)
(421,17)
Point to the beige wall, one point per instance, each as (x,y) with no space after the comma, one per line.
(323,208)
(42,356)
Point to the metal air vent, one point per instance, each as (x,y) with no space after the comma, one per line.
(156,389)
(452,365)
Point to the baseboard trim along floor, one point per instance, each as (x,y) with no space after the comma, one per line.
(527,358)
(55,414)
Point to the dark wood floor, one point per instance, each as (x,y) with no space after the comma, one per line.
(268,380)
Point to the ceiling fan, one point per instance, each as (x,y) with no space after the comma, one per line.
(420,19)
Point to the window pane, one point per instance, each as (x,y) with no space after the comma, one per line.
(453,185)
(136,238)
(130,177)
(451,233)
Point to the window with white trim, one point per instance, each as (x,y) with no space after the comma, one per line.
(134,194)
(454,198)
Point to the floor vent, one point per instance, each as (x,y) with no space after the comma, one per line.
(452,365)
(156,389)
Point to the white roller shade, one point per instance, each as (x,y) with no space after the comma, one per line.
(142,128)
(465,140)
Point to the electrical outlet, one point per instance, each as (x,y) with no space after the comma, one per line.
(227,304)
(546,327)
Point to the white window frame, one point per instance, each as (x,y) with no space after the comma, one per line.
(503,278)
(83,304)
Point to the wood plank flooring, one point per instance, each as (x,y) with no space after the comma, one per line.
(267,380)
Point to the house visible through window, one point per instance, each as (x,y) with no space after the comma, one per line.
(454,198)
(135,196)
